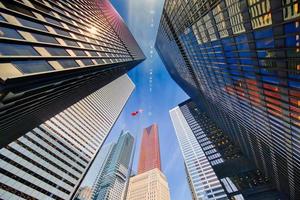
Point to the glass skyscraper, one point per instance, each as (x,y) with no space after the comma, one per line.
(149,151)
(111,181)
(150,183)
(239,61)
(201,177)
(50,161)
(201,138)
(54,53)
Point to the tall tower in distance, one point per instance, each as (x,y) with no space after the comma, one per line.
(150,183)
(113,178)
(149,151)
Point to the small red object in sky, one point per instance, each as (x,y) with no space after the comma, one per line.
(137,112)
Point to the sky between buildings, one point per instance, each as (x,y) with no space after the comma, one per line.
(156,93)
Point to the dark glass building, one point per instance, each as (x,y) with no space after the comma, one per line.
(239,61)
(54,53)
(239,176)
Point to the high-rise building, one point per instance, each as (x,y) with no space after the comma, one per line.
(110,185)
(216,166)
(101,161)
(50,161)
(54,53)
(150,183)
(84,193)
(149,151)
(201,175)
(238,60)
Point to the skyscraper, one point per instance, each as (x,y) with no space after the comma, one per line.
(238,60)
(213,161)
(149,151)
(50,161)
(111,182)
(54,53)
(150,183)
(84,193)
(201,176)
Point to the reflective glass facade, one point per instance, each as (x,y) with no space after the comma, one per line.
(56,53)
(50,161)
(239,176)
(149,150)
(202,178)
(110,184)
(239,61)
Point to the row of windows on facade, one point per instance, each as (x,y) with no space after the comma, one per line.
(57,21)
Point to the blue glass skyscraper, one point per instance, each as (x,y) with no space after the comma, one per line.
(113,176)
(239,61)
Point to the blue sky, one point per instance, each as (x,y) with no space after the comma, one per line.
(156,93)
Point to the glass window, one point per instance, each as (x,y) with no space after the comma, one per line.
(10,33)
(13,6)
(17,50)
(265,33)
(61,32)
(86,45)
(93,53)
(32,66)
(53,21)
(264,44)
(54,51)
(99,61)
(2,18)
(44,38)
(87,62)
(68,63)
(292,27)
(79,53)
(41,8)
(31,24)
(71,43)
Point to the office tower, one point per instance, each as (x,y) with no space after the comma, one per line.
(149,151)
(54,53)
(150,183)
(238,60)
(104,156)
(50,161)
(111,182)
(84,193)
(201,176)
(215,165)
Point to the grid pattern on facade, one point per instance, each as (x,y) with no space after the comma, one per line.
(204,181)
(51,50)
(150,185)
(247,79)
(50,161)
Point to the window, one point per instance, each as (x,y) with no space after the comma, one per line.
(68,63)
(32,66)
(71,43)
(79,53)
(9,33)
(53,21)
(31,24)
(61,32)
(13,6)
(54,51)
(87,61)
(17,50)
(2,18)
(44,38)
